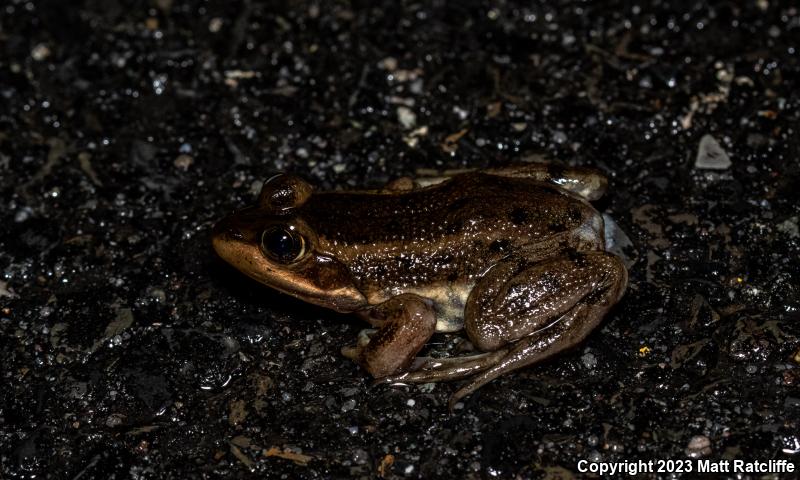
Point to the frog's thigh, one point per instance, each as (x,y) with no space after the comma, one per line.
(406,324)
(572,304)
(586,182)
(517,298)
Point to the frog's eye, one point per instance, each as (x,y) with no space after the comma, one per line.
(283,244)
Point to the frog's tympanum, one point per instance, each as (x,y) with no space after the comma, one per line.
(514,256)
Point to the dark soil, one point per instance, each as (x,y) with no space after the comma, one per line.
(129,350)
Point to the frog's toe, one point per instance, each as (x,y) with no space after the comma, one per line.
(440,369)
(354,351)
(350,351)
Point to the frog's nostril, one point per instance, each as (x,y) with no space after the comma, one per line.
(226,229)
(234,233)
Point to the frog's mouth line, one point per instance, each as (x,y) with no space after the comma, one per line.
(323,299)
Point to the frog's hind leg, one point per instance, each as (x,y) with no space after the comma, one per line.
(568,330)
(535,311)
(524,311)
(583,181)
(412,183)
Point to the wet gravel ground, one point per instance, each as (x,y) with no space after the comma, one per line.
(128,128)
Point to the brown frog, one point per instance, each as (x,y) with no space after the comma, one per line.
(514,256)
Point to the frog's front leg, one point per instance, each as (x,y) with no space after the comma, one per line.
(405,324)
(525,310)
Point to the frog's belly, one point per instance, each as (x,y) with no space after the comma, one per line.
(450,300)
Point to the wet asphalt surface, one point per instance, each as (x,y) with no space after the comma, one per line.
(129,350)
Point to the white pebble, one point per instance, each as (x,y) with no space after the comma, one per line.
(710,155)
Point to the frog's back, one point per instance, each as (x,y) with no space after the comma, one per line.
(445,232)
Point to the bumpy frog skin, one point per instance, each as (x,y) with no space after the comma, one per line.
(513,256)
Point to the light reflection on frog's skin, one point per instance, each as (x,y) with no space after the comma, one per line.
(514,256)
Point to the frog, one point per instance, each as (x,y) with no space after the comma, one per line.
(513,257)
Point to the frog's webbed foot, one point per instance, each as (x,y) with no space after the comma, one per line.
(406,323)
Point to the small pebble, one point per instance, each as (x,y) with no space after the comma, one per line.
(183,162)
(406,117)
(388,63)
(40,52)
(348,405)
(790,227)
(699,446)
(589,360)
(710,155)
(23,214)
(114,420)
(215,25)
(460,112)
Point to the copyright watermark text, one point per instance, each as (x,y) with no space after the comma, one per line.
(638,467)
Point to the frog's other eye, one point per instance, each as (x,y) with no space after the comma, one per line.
(283,244)
(283,193)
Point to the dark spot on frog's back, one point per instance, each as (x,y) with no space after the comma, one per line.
(519,216)
(392,225)
(556,227)
(380,270)
(555,172)
(575,215)
(550,281)
(453,276)
(445,259)
(404,263)
(500,246)
(595,296)
(578,258)
(460,203)
(453,228)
